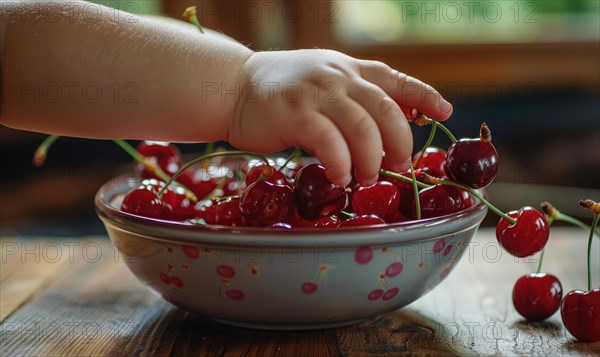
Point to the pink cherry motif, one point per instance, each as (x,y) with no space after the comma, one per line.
(439,246)
(448,250)
(226,271)
(309,287)
(375,294)
(235,294)
(363,255)
(177,282)
(390,293)
(394,269)
(191,251)
(165,278)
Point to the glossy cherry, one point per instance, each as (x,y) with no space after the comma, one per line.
(406,192)
(327,222)
(473,162)
(433,161)
(381,199)
(227,213)
(360,221)
(206,211)
(182,208)
(199,182)
(167,157)
(527,236)
(143,201)
(537,296)
(315,195)
(440,200)
(264,203)
(580,313)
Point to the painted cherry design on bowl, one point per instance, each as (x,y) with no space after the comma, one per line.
(473,162)
(315,195)
(527,236)
(580,312)
(537,296)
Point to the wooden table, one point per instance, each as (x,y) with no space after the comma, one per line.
(75,297)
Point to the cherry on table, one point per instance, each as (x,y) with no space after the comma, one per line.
(580,313)
(537,296)
(315,195)
(527,236)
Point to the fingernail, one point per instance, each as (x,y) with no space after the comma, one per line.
(370,181)
(345,181)
(445,107)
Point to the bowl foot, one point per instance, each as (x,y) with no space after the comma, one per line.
(287,327)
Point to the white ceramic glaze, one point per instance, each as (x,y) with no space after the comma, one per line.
(281,279)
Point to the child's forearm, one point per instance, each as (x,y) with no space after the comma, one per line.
(84,70)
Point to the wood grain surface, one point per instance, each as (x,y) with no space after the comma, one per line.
(75,297)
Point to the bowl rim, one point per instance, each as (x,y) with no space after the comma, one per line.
(175,231)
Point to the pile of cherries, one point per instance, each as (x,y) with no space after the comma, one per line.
(287,195)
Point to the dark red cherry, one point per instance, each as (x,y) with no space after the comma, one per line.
(207,211)
(537,296)
(264,203)
(167,157)
(381,199)
(227,213)
(315,195)
(199,182)
(580,313)
(360,221)
(473,162)
(405,190)
(327,222)
(527,236)
(182,208)
(268,173)
(143,201)
(433,161)
(439,200)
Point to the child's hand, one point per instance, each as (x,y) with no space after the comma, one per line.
(342,110)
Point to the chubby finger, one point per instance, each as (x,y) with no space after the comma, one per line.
(393,126)
(409,92)
(362,135)
(318,135)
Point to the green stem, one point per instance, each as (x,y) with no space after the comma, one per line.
(403,178)
(42,151)
(539,267)
(156,169)
(444,129)
(589,249)
(416,191)
(574,221)
(427,143)
(348,214)
(193,18)
(205,157)
(297,151)
(210,148)
(483,200)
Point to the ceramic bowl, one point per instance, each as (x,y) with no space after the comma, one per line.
(282,279)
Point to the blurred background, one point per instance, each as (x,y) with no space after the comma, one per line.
(530,69)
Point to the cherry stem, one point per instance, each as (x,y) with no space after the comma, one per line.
(574,221)
(427,144)
(589,249)
(152,167)
(297,151)
(191,17)
(41,152)
(403,179)
(205,157)
(443,128)
(416,189)
(479,197)
(348,214)
(539,267)
(210,148)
